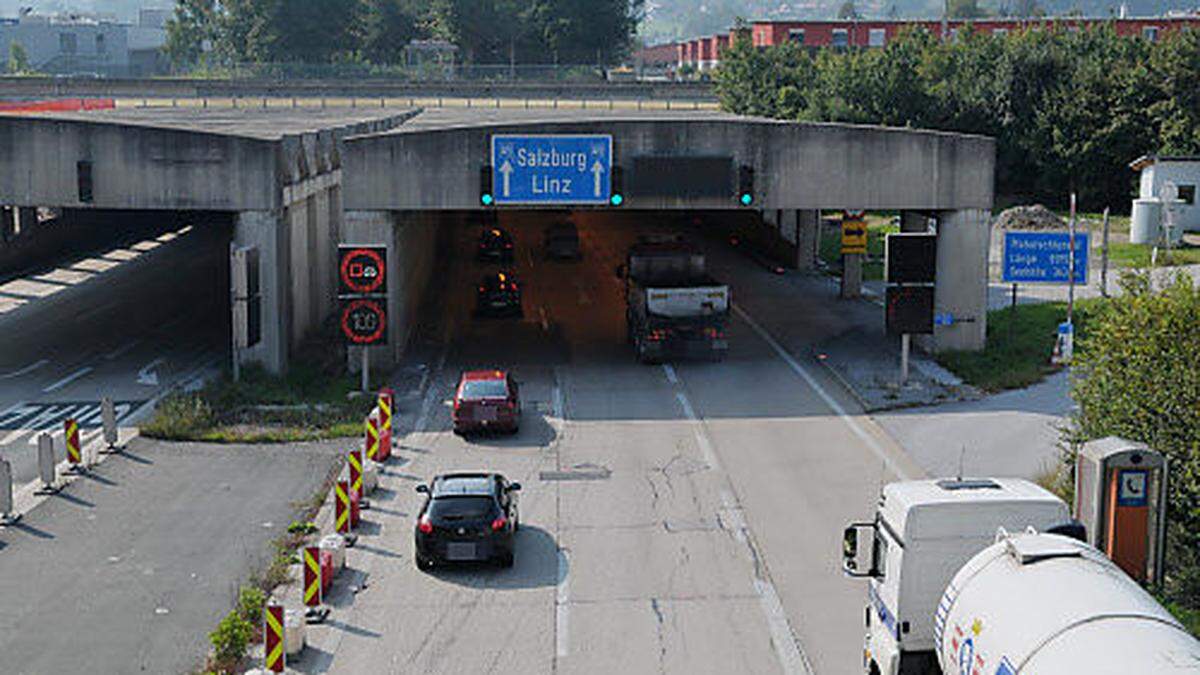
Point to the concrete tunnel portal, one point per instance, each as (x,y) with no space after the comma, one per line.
(298,183)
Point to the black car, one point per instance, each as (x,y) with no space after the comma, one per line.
(467,517)
(498,294)
(495,245)
(561,241)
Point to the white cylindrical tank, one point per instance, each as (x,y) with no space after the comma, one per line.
(1040,604)
(1145,222)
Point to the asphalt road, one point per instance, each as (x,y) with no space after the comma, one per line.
(680,519)
(127,323)
(127,571)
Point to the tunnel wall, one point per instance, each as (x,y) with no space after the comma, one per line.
(798,165)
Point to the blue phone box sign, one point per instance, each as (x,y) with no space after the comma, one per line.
(1044,257)
(552,169)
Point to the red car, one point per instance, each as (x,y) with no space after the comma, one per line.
(486,400)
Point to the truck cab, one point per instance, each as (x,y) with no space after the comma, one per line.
(922,533)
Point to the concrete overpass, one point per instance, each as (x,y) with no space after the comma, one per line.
(296,182)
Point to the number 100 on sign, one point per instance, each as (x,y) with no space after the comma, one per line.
(364,321)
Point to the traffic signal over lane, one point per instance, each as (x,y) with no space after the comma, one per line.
(745,193)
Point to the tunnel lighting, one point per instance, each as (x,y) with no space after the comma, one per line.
(746,185)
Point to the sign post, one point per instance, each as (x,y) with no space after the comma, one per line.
(362,286)
(344,521)
(314,590)
(552,169)
(74,449)
(7,517)
(910,259)
(47,468)
(1049,258)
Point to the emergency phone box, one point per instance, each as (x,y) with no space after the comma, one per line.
(1121,497)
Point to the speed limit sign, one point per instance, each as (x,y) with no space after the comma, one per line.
(364,321)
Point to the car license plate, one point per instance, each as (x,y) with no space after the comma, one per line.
(487,414)
(460,551)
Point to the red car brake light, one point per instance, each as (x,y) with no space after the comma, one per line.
(424,525)
(499,524)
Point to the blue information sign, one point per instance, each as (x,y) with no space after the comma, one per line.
(1044,257)
(552,169)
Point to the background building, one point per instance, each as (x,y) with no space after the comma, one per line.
(88,44)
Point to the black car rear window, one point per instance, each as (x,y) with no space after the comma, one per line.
(461,508)
(485,389)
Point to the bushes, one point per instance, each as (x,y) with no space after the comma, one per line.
(229,642)
(1137,375)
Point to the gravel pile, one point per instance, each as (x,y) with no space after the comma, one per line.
(1036,217)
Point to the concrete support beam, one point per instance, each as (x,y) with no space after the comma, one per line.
(962,279)
(7,224)
(807,238)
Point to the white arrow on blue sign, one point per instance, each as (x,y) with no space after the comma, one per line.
(552,169)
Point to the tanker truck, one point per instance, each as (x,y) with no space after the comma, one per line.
(991,577)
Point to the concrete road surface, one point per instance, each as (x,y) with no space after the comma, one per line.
(675,519)
(128,570)
(127,323)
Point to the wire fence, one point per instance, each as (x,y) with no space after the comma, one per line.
(425,72)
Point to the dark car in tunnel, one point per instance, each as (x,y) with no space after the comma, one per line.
(467,517)
(498,294)
(495,245)
(486,400)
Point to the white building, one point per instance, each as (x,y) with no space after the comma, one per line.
(1184,173)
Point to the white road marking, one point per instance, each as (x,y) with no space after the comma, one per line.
(24,371)
(68,380)
(670,371)
(148,376)
(123,349)
(787,649)
(837,408)
(561,604)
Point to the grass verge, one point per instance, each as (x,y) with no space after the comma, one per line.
(1019,346)
(1138,255)
(877,230)
(305,405)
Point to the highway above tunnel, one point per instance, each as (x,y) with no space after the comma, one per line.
(677,518)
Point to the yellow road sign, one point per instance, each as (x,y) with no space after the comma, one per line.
(854,237)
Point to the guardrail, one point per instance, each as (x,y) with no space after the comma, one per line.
(18,88)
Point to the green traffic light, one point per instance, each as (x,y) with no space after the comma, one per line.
(486,199)
(747,199)
(617,200)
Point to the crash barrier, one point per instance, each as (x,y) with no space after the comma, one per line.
(335,546)
(318,577)
(374,436)
(108,420)
(7,517)
(60,105)
(356,466)
(47,467)
(387,407)
(274,659)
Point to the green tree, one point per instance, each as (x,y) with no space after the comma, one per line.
(1137,376)
(189,30)
(385,27)
(964,9)
(18,58)
(848,11)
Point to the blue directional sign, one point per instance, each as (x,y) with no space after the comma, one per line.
(1044,257)
(552,169)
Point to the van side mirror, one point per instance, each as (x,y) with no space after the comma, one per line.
(423,489)
(857,550)
(514,487)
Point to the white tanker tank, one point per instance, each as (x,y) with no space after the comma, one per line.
(1044,604)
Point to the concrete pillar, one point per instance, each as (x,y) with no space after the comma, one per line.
(269,232)
(962,284)
(7,224)
(807,238)
(787,225)
(378,228)
(26,219)
(852,275)
(914,221)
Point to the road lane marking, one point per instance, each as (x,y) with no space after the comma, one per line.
(837,408)
(561,604)
(787,648)
(68,380)
(672,377)
(123,349)
(25,371)
(148,376)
